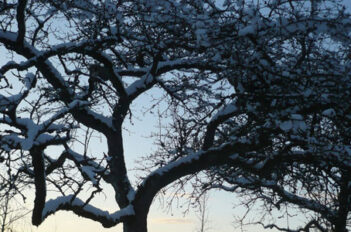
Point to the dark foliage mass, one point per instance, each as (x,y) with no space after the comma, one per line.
(257,97)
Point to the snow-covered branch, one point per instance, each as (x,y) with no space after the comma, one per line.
(79,207)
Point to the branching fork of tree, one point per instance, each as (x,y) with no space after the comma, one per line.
(257,94)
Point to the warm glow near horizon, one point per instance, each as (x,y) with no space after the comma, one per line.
(221,216)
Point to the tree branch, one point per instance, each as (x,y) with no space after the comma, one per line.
(21,24)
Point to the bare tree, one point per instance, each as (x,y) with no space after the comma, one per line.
(256,91)
(10,213)
(11,201)
(203,213)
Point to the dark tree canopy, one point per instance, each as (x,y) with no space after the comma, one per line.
(257,94)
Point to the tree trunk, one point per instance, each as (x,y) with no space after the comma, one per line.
(343,198)
(138,224)
(141,203)
(40,185)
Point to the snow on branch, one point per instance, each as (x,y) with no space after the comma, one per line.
(140,84)
(61,49)
(225,112)
(195,162)
(88,167)
(317,24)
(79,207)
(37,134)
(286,196)
(107,121)
(11,102)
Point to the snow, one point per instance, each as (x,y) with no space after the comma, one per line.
(248,30)
(191,157)
(260,164)
(36,133)
(307,93)
(106,120)
(54,205)
(286,73)
(90,173)
(301,125)
(29,80)
(13,36)
(296,117)
(242,181)
(13,100)
(329,112)
(295,124)
(139,84)
(8,35)
(5,147)
(56,73)
(226,188)
(44,138)
(290,121)
(90,169)
(303,202)
(129,210)
(348,150)
(226,110)
(286,126)
(131,195)
(32,132)
(201,37)
(187,159)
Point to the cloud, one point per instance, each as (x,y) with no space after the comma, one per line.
(171,221)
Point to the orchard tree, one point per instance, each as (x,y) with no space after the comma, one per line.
(256,94)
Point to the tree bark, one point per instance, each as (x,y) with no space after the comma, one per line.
(118,176)
(138,224)
(340,224)
(40,185)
